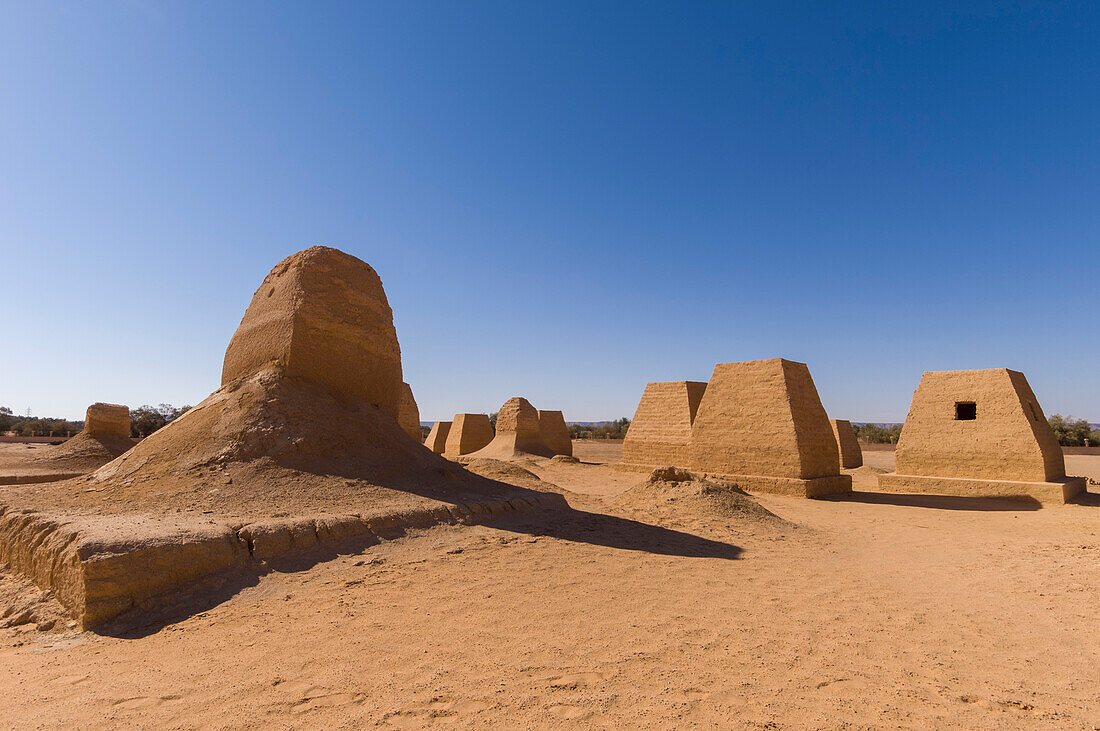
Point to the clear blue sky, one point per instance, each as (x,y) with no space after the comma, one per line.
(564,200)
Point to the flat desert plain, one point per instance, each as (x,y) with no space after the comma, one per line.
(630,611)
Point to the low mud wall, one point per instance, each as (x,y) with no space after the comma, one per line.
(101,567)
(33,478)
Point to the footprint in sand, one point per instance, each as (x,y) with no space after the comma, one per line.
(441,708)
(70,680)
(309,696)
(405,720)
(301,688)
(576,680)
(690,694)
(459,706)
(141,702)
(330,700)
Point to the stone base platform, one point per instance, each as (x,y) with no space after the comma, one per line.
(632,467)
(801,487)
(1059,492)
(101,567)
(31,477)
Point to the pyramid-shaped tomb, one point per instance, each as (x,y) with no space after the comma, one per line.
(979,433)
(761,424)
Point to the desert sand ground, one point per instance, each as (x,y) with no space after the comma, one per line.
(869,611)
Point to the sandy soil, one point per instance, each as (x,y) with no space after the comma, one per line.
(879,610)
(76,456)
(15,451)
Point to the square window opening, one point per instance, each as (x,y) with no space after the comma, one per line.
(966,411)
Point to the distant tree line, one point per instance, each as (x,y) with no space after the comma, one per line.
(874,434)
(29,426)
(1074,432)
(144,420)
(611,430)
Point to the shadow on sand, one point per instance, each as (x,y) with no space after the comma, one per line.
(940,502)
(611,531)
(1087,498)
(566,524)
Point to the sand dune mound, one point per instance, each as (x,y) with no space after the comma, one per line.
(868,470)
(267,443)
(509,472)
(86,450)
(689,495)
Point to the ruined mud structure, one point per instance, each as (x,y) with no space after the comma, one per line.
(555,433)
(437,437)
(298,451)
(408,415)
(468,433)
(851,456)
(761,424)
(106,435)
(107,421)
(979,433)
(660,433)
(517,433)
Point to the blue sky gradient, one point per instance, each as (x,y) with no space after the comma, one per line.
(564,200)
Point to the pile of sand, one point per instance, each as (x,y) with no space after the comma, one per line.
(509,472)
(671,489)
(868,470)
(266,444)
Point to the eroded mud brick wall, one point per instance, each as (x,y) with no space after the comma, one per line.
(437,437)
(469,433)
(107,420)
(851,456)
(408,414)
(763,417)
(323,316)
(554,432)
(660,433)
(517,416)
